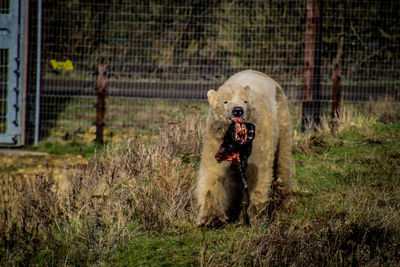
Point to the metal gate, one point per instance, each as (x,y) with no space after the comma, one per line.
(12,34)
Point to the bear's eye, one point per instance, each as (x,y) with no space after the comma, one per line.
(225,102)
(246,101)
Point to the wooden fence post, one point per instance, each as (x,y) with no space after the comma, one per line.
(312,66)
(101,103)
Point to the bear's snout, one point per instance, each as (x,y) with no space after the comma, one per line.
(237,111)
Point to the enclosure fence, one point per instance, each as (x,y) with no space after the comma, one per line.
(162,56)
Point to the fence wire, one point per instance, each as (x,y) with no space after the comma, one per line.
(162,56)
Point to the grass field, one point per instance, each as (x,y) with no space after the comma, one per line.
(131,202)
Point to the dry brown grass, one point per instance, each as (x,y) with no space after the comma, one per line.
(149,183)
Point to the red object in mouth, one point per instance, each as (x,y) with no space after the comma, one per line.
(238,134)
(240,130)
(238,119)
(230,156)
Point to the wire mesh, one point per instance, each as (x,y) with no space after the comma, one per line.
(4,6)
(177,50)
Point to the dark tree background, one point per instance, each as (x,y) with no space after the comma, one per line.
(211,39)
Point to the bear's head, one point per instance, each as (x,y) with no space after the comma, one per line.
(230,101)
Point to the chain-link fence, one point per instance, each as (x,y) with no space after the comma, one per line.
(159,53)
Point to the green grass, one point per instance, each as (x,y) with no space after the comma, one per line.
(74,148)
(185,246)
(165,249)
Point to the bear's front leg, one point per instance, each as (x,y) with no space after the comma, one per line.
(259,188)
(211,197)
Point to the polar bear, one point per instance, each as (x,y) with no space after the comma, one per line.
(257,99)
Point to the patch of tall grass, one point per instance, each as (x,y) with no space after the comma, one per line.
(148,186)
(132,204)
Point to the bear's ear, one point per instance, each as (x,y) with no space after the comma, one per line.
(211,97)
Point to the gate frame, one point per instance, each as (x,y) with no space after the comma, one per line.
(15,28)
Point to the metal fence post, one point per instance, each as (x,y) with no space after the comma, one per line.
(38,74)
(101,103)
(312,66)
